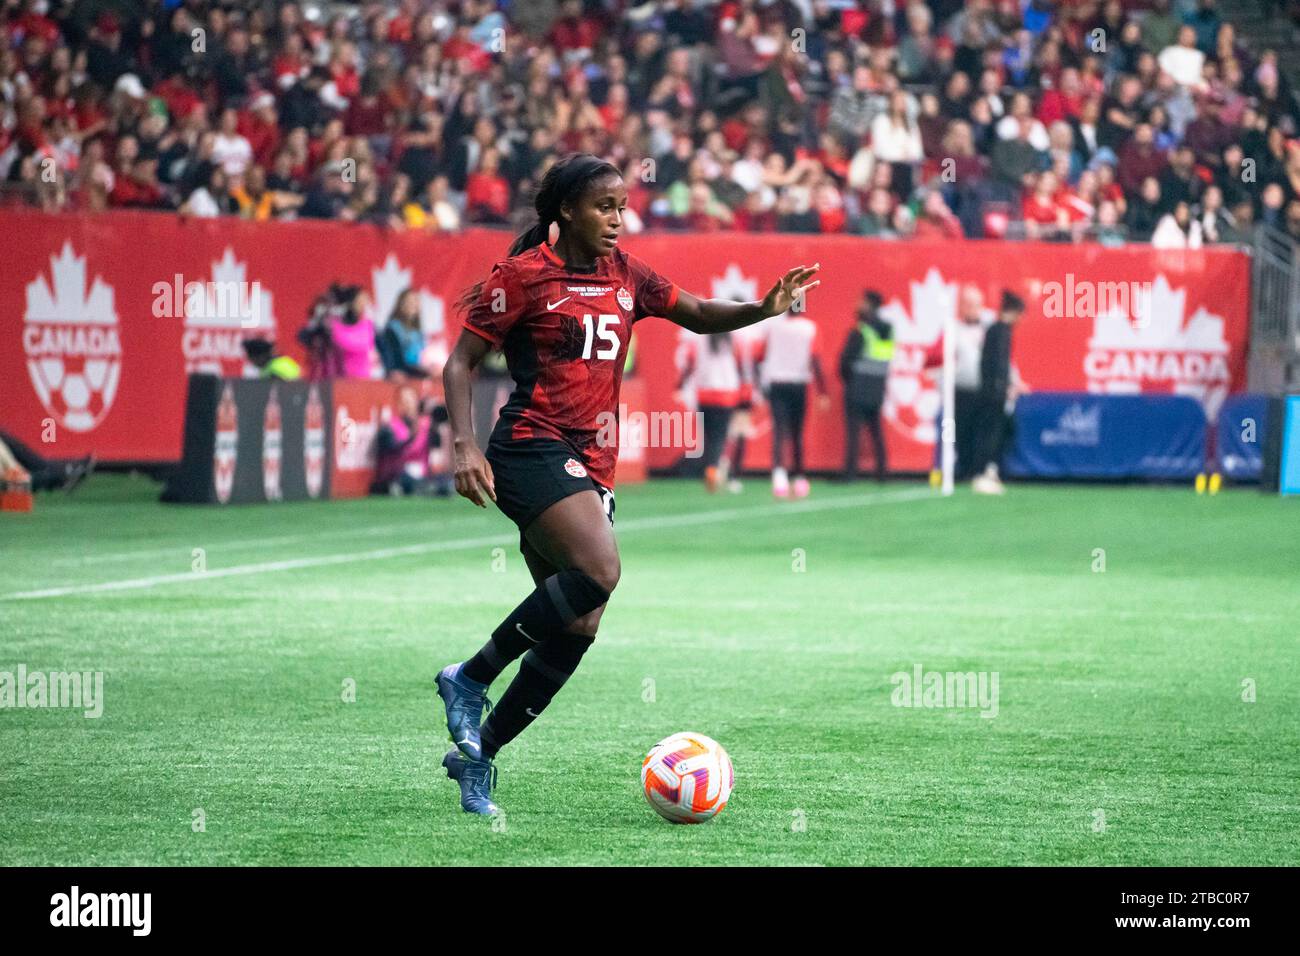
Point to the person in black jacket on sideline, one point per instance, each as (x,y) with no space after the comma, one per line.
(864,369)
(992,421)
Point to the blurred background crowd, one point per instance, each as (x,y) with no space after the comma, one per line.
(1066,120)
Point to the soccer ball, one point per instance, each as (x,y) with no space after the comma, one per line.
(78,390)
(687,778)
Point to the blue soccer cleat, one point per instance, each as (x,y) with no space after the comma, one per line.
(465,701)
(477,778)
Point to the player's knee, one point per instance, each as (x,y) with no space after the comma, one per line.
(605,572)
(577,592)
(588,624)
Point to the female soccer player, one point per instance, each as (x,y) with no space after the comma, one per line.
(561,306)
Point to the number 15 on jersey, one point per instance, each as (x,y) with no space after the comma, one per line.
(604,332)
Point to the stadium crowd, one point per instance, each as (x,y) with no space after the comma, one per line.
(1066,120)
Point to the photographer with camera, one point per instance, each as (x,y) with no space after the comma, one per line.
(405,441)
(340,335)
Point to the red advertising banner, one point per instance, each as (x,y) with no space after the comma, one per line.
(102,317)
(360,407)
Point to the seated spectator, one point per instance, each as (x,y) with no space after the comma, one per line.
(443,213)
(1183,61)
(401,343)
(876,221)
(1160,26)
(1109,230)
(1217,224)
(405,441)
(1292,221)
(1044,216)
(1139,159)
(487,194)
(936,220)
(210,199)
(230,150)
(1177,229)
(1144,211)
(1181,182)
(895,136)
(1015,160)
(1271,202)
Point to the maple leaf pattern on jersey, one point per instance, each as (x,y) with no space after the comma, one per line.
(573,339)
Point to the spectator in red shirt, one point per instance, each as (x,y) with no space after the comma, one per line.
(936,220)
(1064,103)
(1139,158)
(1042,211)
(487,194)
(261,127)
(573,33)
(343,70)
(461,47)
(291,64)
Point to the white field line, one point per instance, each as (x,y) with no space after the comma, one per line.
(368,531)
(431,547)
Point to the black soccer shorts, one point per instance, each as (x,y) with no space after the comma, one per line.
(531,474)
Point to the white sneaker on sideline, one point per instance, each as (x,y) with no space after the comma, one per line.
(780,483)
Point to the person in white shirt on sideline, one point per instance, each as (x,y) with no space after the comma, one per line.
(788,365)
(715,366)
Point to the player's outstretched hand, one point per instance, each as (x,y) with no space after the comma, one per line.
(474,475)
(789,287)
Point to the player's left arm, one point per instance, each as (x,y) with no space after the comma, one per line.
(707,316)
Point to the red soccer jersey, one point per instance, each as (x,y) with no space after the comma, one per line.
(565,336)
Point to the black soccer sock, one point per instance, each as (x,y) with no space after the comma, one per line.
(542,673)
(554,604)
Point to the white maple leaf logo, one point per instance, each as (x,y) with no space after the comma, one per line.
(1157,349)
(69,301)
(230,301)
(1162,308)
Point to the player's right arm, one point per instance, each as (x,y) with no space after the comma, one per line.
(473,473)
(496,305)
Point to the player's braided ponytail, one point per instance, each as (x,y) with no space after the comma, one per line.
(563,182)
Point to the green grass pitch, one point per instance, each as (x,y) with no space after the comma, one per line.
(1121,736)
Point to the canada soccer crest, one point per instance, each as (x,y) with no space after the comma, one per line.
(227,444)
(624,299)
(272,445)
(313,446)
(74,355)
(575,468)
